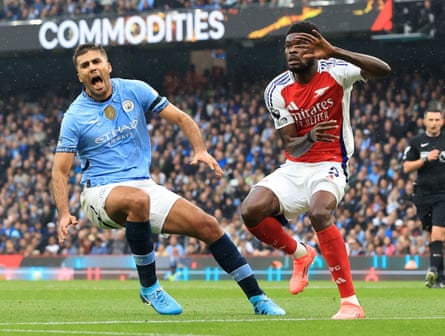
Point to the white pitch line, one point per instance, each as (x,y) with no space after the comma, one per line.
(107,333)
(266,319)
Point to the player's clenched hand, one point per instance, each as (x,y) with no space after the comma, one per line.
(205,157)
(62,229)
(321,133)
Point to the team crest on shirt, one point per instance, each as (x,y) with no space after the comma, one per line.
(110,112)
(321,91)
(128,105)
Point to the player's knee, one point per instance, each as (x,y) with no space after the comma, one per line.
(250,212)
(320,218)
(245,209)
(206,228)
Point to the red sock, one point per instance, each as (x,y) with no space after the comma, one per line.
(271,232)
(333,250)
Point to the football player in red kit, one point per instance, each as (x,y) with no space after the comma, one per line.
(309,104)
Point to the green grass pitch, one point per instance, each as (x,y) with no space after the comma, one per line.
(110,307)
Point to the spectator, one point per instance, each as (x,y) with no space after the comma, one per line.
(388,247)
(174,249)
(69,249)
(52,248)
(13,11)
(426,19)
(145,5)
(99,247)
(355,247)
(53,8)
(118,244)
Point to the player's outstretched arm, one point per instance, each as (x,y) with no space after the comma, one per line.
(193,134)
(372,67)
(316,46)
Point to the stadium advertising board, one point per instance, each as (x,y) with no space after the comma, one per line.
(189,26)
(201,267)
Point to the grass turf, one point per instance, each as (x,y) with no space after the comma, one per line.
(111,307)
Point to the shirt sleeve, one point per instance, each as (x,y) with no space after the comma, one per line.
(68,136)
(345,73)
(277,107)
(410,153)
(150,99)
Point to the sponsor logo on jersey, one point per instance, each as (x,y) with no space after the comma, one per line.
(303,113)
(118,134)
(305,117)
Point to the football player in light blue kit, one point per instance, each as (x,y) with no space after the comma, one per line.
(106,126)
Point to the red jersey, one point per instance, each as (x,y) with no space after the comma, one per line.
(325,97)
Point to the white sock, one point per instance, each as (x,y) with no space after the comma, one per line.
(350,299)
(300,251)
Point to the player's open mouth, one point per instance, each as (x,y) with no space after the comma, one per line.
(96,79)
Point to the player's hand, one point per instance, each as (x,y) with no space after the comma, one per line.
(315,46)
(205,157)
(434,155)
(321,133)
(62,229)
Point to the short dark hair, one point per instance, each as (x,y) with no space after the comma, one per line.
(434,110)
(302,27)
(84,48)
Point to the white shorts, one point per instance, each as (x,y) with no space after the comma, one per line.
(294,183)
(161,201)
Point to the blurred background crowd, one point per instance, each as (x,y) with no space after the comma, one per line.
(376,217)
(410,16)
(40,9)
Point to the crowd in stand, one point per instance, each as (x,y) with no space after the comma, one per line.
(377,216)
(411,16)
(13,10)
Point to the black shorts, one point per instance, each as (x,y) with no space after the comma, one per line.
(431,210)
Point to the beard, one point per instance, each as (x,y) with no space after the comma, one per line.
(302,67)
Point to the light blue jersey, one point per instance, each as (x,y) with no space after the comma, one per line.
(111,137)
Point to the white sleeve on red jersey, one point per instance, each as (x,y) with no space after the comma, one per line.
(275,102)
(344,73)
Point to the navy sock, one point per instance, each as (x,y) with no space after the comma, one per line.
(141,244)
(436,256)
(230,259)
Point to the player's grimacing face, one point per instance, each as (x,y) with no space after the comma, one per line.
(93,71)
(294,52)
